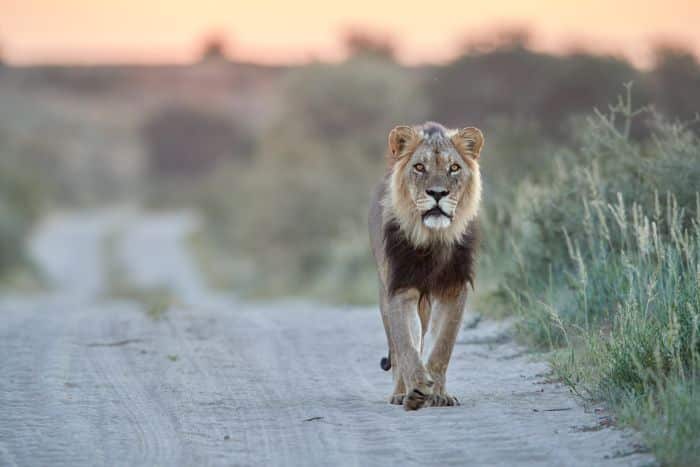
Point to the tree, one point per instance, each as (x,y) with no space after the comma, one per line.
(676,80)
(363,43)
(214,49)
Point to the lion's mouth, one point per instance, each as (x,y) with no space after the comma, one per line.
(435,211)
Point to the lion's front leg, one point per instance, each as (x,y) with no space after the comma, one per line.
(406,338)
(399,392)
(445,325)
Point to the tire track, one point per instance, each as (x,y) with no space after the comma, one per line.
(156,440)
(38,363)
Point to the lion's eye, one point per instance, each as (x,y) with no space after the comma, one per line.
(454,168)
(419,168)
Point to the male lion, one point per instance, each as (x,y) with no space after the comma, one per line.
(423,234)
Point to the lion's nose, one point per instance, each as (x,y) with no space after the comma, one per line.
(437,192)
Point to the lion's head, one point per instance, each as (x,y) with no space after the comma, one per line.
(435,183)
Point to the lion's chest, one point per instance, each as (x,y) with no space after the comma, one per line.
(429,270)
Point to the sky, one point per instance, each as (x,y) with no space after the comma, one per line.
(159,31)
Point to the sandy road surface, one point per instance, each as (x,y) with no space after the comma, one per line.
(88,381)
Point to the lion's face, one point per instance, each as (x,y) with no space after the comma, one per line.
(435,183)
(436,179)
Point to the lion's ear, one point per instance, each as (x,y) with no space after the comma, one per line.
(401,138)
(469,141)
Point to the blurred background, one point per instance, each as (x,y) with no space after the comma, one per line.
(268,121)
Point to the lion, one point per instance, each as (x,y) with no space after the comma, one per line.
(423,233)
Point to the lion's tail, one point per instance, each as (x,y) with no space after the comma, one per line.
(385,362)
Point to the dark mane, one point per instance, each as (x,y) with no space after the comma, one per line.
(430,270)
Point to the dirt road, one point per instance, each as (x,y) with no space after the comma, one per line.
(85,380)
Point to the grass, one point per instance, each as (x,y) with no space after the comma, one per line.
(24,278)
(22,202)
(220,271)
(609,276)
(668,419)
(155,301)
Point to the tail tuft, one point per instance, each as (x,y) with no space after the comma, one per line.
(385,363)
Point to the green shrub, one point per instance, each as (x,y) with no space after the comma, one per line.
(668,419)
(20,205)
(609,268)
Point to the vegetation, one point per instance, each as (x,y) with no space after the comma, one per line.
(608,273)
(511,80)
(295,218)
(183,141)
(21,202)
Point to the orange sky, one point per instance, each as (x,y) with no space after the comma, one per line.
(89,31)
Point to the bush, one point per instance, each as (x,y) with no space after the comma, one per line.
(297,215)
(676,79)
(509,80)
(608,167)
(184,141)
(20,205)
(611,271)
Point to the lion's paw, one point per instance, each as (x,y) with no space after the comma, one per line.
(442,400)
(415,399)
(397,399)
